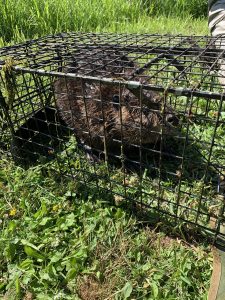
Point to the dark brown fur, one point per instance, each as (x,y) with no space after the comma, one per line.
(104,113)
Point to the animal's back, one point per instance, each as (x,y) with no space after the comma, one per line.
(105,113)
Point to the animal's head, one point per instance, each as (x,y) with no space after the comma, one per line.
(134,122)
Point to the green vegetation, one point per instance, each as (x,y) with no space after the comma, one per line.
(194,8)
(28,19)
(56,240)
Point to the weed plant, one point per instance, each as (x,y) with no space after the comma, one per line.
(58,242)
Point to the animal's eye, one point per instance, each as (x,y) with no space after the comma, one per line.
(146,111)
(116,98)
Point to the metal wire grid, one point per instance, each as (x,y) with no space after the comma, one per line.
(168,59)
(180,176)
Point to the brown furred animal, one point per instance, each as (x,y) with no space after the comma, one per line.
(103,114)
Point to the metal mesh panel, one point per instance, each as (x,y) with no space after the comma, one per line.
(140,117)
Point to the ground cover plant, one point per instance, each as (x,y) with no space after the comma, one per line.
(56,240)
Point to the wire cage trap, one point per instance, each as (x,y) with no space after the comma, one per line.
(140,117)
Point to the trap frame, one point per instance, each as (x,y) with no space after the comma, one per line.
(180,178)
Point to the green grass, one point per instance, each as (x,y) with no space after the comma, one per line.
(57,241)
(25,19)
(183,8)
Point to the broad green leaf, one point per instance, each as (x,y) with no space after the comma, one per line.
(45,276)
(56,257)
(33,252)
(127,290)
(12,225)
(44,221)
(70,219)
(27,243)
(146,267)
(41,212)
(26,264)
(71,274)
(186,280)
(27,278)
(155,289)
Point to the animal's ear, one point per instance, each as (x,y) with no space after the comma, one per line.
(116,101)
(71,66)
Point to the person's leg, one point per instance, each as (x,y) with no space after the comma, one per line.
(217,28)
(217,17)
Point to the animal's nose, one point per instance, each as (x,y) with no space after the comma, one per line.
(146,111)
(172,119)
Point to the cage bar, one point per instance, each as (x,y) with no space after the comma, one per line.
(138,117)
